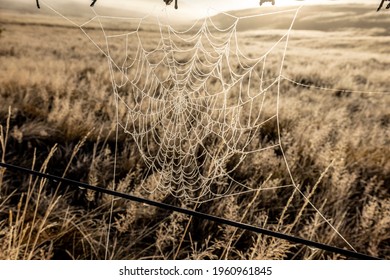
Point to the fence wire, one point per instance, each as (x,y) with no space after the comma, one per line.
(243,226)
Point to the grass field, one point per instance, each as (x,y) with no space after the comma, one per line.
(58,115)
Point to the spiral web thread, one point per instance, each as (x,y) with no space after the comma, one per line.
(194,103)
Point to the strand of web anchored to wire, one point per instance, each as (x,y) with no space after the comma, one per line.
(192,213)
(332,89)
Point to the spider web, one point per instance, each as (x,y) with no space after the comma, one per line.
(197,103)
(194,103)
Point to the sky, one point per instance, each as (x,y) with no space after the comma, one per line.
(190,8)
(195,7)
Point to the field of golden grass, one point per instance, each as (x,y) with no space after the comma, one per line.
(58,115)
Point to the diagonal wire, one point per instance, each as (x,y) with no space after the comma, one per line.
(193,213)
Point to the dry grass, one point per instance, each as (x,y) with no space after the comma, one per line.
(57,115)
